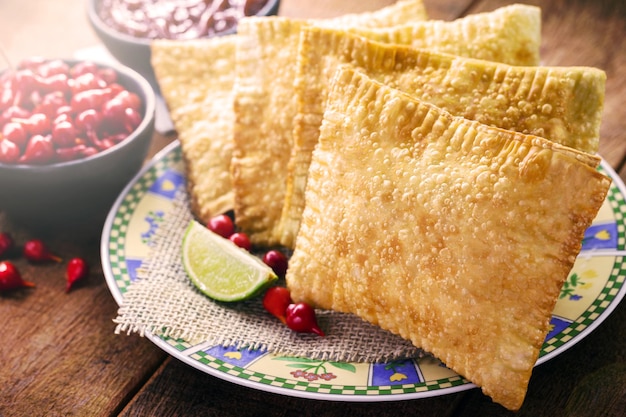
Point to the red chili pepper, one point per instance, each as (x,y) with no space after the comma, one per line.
(276,260)
(242,240)
(39,150)
(222,225)
(6,243)
(10,278)
(276,300)
(9,152)
(36,251)
(301,318)
(77,269)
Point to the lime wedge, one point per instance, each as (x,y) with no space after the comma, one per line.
(219,268)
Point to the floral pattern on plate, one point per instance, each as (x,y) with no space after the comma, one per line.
(593,289)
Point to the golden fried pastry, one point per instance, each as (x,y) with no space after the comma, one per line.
(510,35)
(450,233)
(196,78)
(563,104)
(265,107)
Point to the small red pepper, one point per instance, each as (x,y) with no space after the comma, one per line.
(276,260)
(6,243)
(276,300)
(242,240)
(36,251)
(77,269)
(10,278)
(222,225)
(301,318)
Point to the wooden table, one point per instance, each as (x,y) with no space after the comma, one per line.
(59,355)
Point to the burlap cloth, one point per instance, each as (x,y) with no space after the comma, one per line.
(163,301)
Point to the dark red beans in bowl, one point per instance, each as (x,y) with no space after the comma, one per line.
(72,135)
(127,27)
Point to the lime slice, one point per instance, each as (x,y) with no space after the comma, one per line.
(221,269)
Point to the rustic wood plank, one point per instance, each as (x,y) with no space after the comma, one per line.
(178,389)
(59,354)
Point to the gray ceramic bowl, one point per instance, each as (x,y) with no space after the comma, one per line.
(134,51)
(79,192)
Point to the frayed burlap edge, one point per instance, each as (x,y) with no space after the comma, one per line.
(164,302)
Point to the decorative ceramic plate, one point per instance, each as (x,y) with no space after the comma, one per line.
(593,289)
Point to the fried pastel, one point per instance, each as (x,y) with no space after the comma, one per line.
(563,104)
(510,35)
(449,233)
(265,107)
(196,78)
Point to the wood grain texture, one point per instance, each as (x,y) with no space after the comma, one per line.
(60,357)
(59,349)
(177,390)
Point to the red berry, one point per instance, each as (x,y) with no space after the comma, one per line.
(50,104)
(86,81)
(41,93)
(88,121)
(16,133)
(9,152)
(6,243)
(37,124)
(25,81)
(53,67)
(276,300)
(242,240)
(7,96)
(108,75)
(64,113)
(35,250)
(276,260)
(301,317)
(63,134)
(89,151)
(77,269)
(129,99)
(83,67)
(55,83)
(14,112)
(10,278)
(222,225)
(39,150)
(132,119)
(73,152)
(89,99)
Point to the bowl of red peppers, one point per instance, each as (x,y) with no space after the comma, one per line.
(127,28)
(72,135)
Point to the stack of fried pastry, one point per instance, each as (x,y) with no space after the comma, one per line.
(429,176)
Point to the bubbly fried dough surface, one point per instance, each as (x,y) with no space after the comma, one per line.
(449,233)
(563,104)
(265,107)
(510,35)
(196,78)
